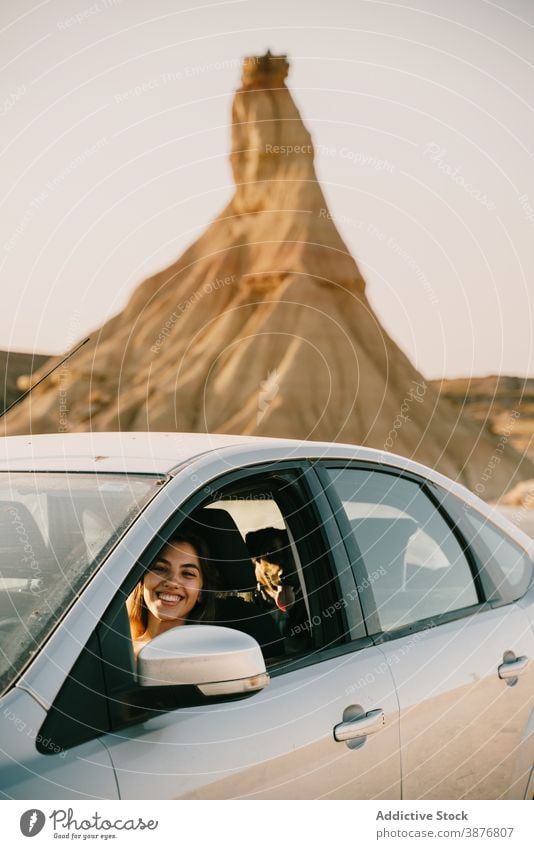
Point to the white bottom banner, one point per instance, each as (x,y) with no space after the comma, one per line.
(284,823)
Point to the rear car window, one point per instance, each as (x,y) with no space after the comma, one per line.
(55,530)
(415,565)
(513,562)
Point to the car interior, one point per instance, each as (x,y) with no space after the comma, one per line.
(237,604)
(240,602)
(414,573)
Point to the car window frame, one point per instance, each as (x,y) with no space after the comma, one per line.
(363,580)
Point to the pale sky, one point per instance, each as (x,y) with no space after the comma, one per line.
(114,155)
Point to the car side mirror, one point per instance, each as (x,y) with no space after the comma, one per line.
(218,661)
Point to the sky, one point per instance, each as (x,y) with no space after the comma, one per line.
(115,120)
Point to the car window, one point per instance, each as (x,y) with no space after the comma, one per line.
(414,563)
(267,558)
(55,530)
(513,561)
(279,593)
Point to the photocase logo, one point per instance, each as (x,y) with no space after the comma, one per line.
(32,822)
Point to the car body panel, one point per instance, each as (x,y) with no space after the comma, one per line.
(85,772)
(462,727)
(277,744)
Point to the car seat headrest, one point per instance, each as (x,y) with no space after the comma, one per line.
(269,544)
(227,549)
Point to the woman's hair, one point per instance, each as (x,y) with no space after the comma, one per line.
(203,611)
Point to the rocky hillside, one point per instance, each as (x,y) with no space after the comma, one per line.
(504,404)
(14,369)
(263,326)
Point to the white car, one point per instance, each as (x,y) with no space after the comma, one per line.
(406,672)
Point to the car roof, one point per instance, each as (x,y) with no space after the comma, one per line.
(164,453)
(142,453)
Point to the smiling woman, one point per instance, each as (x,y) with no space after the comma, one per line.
(178,588)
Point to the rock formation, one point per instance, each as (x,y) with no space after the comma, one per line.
(263,327)
(504,403)
(16,368)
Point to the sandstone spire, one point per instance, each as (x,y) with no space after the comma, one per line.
(263,327)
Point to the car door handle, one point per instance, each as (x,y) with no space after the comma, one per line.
(513,668)
(370,723)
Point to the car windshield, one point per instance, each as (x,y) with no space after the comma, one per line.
(55,530)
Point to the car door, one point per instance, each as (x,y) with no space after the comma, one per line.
(453,652)
(281,742)
(278,744)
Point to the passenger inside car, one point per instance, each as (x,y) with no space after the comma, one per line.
(178,588)
(185,584)
(243,574)
(236,604)
(279,585)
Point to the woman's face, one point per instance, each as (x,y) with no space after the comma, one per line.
(172,586)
